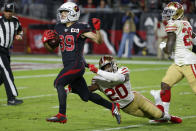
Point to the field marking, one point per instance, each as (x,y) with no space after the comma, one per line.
(94,60)
(139,125)
(87,72)
(20,88)
(30,97)
(35,76)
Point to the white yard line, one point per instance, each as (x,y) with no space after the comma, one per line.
(35,76)
(31,97)
(133,126)
(93,60)
(87,72)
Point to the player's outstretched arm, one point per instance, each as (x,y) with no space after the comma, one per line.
(96,37)
(107,75)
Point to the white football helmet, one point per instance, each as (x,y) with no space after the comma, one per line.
(108,60)
(73,15)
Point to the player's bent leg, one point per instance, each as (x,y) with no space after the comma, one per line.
(151,111)
(116,112)
(133,107)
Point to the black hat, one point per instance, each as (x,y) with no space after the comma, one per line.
(9,7)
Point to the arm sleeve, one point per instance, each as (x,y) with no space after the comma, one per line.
(117,77)
(18,28)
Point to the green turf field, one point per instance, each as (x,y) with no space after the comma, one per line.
(35,87)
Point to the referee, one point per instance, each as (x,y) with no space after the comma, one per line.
(10,29)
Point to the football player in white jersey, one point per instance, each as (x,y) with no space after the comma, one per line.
(115,83)
(180,34)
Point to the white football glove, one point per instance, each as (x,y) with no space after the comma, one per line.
(162,45)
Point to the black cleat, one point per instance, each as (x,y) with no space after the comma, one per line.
(58,118)
(116,112)
(14,102)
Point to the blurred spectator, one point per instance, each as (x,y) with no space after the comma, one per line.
(129,30)
(161,36)
(125,2)
(150,27)
(135,6)
(90,4)
(151,5)
(25,6)
(187,6)
(103,6)
(38,9)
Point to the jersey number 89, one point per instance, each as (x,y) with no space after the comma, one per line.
(67,43)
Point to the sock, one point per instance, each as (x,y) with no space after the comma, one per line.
(160,107)
(157,97)
(165,95)
(96,98)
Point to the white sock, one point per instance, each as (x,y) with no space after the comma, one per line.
(166,107)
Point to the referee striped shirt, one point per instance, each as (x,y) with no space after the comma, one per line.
(8,29)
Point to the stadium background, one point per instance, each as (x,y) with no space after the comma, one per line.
(38,15)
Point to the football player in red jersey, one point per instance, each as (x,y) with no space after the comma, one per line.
(72,35)
(114,82)
(180,34)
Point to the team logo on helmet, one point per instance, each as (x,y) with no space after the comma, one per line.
(76,8)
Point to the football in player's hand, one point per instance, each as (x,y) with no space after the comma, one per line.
(54,43)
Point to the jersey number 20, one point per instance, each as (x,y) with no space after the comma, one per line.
(67,43)
(120,90)
(188,36)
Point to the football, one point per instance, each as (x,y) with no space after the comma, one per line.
(54,43)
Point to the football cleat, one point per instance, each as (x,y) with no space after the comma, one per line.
(58,118)
(175,119)
(14,102)
(116,112)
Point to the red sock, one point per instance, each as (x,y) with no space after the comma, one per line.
(160,107)
(165,95)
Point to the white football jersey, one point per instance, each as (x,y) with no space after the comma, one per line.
(117,91)
(183,54)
